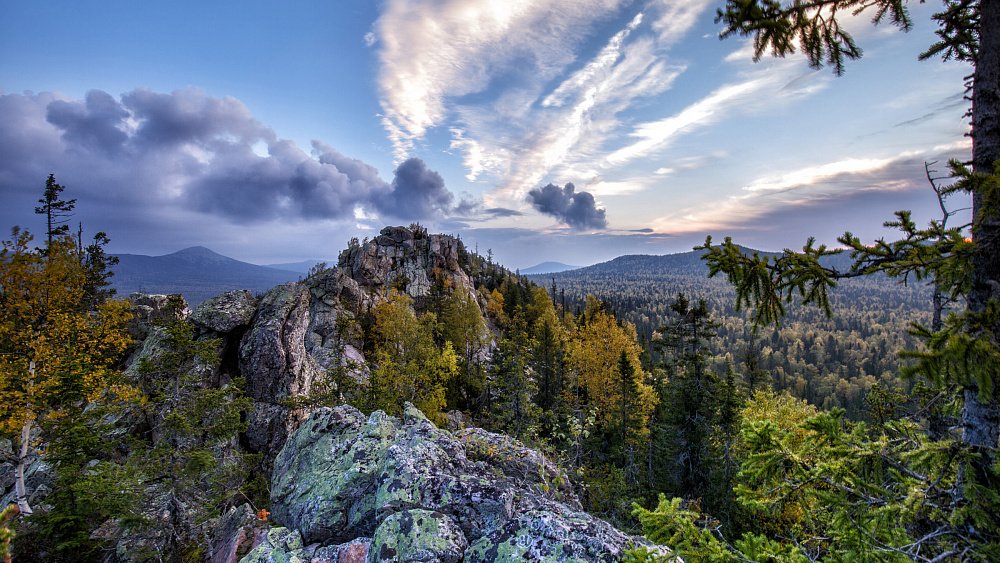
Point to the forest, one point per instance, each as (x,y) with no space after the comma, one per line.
(830,361)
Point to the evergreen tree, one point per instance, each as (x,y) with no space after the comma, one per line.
(189,460)
(968,30)
(510,390)
(56,210)
(695,400)
(98,264)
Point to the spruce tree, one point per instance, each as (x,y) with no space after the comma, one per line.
(56,210)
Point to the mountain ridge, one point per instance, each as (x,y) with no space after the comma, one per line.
(197,272)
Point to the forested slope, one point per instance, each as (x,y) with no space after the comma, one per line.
(829,361)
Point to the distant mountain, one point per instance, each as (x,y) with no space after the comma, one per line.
(197,273)
(682,263)
(302,267)
(547,268)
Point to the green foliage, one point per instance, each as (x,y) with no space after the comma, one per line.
(815,486)
(684,529)
(811,26)
(409,366)
(509,407)
(189,462)
(89,488)
(766,283)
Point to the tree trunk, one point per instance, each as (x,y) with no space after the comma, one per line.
(20,488)
(981,412)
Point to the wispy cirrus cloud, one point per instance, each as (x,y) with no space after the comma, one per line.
(783,196)
(521,103)
(432,51)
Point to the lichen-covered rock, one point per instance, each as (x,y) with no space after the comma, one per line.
(343,476)
(226,312)
(418,535)
(542,535)
(325,473)
(280,545)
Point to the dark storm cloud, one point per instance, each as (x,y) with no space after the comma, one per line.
(96,123)
(416,192)
(170,154)
(190,116)
(576,209)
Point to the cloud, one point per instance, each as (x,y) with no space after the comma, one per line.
(576,209)
(433,51)
(186,152)
(839,184)
(503,212)
(97,123)
(417,192)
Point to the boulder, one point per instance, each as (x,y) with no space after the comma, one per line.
(425,494)
(226,312)
(276,366)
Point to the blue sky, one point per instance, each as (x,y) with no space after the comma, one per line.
(274,132)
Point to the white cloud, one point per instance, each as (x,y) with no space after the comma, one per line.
(676,17)
(434,50)
(815,174)
(809,185)
(604,60)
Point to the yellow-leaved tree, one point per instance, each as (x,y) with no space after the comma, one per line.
(409,366)
(56,353)
(604,356)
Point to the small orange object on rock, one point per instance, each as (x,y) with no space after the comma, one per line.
(262,514)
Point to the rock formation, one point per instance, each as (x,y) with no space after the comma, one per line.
(404,490)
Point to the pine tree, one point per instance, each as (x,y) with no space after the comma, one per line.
(56,210)
(969,31)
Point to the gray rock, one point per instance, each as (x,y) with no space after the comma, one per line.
(226,312)
(343,476)
(274,361)
(418,535)
(237,533)
(405,258)
(543,535)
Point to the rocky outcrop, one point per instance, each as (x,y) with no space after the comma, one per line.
(276,366)
(301,332)
(414,492)
(406,258)
(225,313)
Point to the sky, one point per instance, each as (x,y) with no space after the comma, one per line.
(565,130)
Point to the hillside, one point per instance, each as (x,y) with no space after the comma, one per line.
(197,273)
(547,267)
(828,361)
